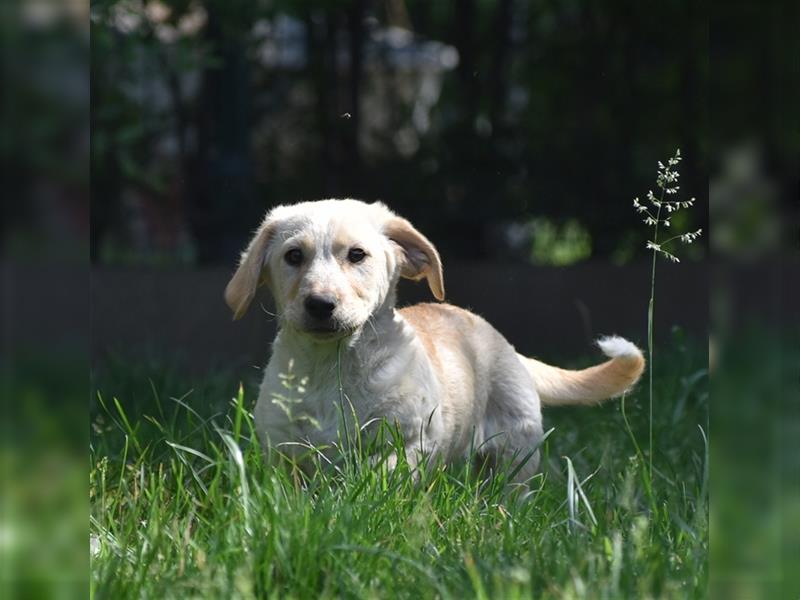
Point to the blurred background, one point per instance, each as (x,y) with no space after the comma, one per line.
(507,130)
(513,134)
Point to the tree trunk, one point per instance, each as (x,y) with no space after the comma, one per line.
(224,207)
(355,18)
(467,67)
(498,76)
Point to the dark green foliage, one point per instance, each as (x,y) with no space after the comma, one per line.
(555,109)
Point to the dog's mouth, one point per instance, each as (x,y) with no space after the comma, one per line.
(328,332)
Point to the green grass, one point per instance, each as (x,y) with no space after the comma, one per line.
(43,474)
(183,505)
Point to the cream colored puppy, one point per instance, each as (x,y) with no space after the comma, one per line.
(447,378)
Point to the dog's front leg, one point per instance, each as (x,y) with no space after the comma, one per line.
(417,454)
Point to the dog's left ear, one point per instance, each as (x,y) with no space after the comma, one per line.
(252,272)
(418,259)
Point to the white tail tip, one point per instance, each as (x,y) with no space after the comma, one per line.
(614,346)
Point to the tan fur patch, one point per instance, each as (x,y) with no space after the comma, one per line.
(294,288)
(424,322)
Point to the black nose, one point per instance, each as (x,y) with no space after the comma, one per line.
(320,307)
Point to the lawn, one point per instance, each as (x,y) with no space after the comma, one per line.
(183,505)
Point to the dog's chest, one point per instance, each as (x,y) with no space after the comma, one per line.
(386,376)
(310,408)
(315,409)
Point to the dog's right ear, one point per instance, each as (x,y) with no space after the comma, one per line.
(252,271)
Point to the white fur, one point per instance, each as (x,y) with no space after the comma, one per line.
(446,377)
(614,346)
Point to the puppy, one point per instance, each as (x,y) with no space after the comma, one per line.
(443,375)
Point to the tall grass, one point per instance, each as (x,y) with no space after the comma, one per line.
(667,181)
(185,505)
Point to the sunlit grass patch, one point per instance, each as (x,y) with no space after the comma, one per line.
(185,505)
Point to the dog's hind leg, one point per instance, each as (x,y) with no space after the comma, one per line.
(512,428)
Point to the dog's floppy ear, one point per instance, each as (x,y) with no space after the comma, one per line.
(251,273)
(418,258)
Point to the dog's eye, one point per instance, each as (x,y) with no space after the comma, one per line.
(356,255)
(293,257)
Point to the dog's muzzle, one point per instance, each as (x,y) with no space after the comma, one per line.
(319,319)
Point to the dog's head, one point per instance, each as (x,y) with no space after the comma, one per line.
(332,264)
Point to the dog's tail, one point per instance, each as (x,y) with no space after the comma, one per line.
(561,387)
